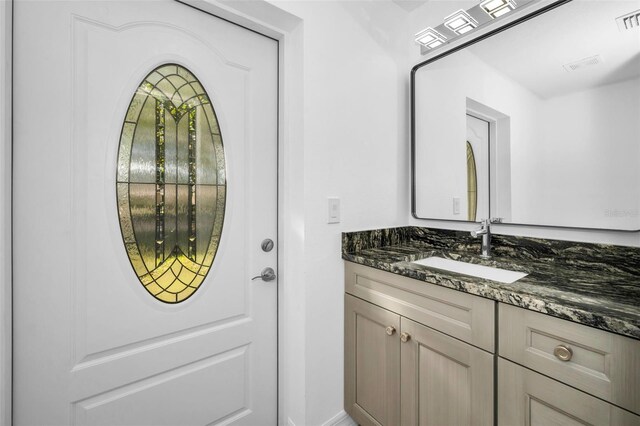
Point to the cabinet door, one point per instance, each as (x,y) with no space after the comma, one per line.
(528,398)
(372,363)
(444,381)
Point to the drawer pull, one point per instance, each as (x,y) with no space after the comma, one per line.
(563,353)
(390,330)
(405,337)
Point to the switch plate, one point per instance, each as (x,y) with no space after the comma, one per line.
(456,205)
(334,210)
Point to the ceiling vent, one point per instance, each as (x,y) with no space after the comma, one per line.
(629,21)
(583,63)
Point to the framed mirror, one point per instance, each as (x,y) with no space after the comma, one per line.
(544,112)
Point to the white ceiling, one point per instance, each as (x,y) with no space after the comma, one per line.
(534,52)
(409,5)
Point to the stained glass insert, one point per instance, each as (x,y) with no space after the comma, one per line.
(171,183)
(472,184)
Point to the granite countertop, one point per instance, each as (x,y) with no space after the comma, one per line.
(592,284)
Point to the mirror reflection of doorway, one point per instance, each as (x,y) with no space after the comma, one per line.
(477,153)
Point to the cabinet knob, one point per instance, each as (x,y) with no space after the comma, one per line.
(390,330)
(563,353)
(405,337)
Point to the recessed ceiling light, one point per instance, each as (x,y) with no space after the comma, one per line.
(460,22)
(430,38)
(501,12)
(497,8)
(491,5)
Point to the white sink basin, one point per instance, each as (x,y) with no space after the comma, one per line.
(480,271)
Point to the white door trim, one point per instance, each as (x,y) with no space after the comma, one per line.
(6,11)
(273,22)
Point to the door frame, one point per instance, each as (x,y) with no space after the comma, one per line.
(6,41)
(270,21)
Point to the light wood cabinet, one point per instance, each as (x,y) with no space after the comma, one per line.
(464,316)
(602,364)
(399,372)
(528,398)
(444,381)
(372,363)
(419,354)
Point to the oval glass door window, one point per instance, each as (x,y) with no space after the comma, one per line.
(171,183)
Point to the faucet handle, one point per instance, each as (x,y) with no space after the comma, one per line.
(478,232)
(483,230)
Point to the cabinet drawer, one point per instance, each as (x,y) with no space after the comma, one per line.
(463,316)
(528,398)
(602,364)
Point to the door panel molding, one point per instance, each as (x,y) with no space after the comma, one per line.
(158,342)
(228,364)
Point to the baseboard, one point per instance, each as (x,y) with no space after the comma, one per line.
(340,419)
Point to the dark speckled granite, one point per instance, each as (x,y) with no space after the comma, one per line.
(353,242)
(592,284)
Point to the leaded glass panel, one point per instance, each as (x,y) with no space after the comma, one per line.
(171,183)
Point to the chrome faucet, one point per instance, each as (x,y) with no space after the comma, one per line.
(485,232)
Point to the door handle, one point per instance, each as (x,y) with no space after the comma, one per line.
(267,274)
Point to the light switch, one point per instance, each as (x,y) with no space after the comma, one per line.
(334,210)
(456,205)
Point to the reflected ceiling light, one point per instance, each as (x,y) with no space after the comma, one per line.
(460,22)
(497,8)
(430,38)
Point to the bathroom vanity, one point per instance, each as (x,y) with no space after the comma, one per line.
(442,329)
(429,346)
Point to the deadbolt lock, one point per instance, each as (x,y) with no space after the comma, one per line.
(267,245)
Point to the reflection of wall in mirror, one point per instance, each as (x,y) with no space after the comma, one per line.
(590,145)
(441,125)
(571,163)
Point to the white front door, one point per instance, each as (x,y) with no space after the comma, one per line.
(145,180)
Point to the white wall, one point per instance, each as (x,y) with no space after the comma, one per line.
(442,92)
(355,148)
